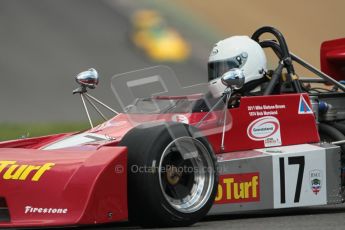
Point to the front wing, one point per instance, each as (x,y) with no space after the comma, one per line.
(41,188)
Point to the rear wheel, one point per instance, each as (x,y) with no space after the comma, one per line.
(172,175)
(330,133)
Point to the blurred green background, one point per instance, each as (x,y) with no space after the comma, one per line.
(11,131)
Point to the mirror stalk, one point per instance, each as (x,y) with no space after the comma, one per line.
(89,79)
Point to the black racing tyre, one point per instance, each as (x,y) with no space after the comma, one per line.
(339,126)
(330,133)
(172,175)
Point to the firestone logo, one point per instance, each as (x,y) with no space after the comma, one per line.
(29,209)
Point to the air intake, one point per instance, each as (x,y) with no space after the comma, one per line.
(4,213)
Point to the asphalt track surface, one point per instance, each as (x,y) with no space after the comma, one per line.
(312,218)
(43,44)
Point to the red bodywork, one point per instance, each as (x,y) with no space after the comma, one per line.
(90,180)
(333,58)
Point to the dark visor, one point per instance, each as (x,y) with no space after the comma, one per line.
(218,68)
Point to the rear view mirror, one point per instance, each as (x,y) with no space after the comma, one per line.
(234,78)
(88,78)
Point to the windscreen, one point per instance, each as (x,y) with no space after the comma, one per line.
(157,92)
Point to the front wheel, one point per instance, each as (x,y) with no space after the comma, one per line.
(172,175)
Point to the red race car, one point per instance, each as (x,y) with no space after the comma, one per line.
(253,139)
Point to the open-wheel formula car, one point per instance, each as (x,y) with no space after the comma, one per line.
(274,142)
(159,41)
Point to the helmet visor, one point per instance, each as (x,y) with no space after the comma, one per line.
(218,68)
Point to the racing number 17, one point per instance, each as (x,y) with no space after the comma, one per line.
(291,161)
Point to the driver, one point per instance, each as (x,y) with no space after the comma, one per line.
(236,52)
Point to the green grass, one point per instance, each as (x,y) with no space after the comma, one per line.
(10,131)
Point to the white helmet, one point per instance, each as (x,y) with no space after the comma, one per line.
(237,52)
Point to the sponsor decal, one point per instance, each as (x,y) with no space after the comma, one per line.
(315,180)
(30,209)
(108,124)
(273,151)
(265,129)
(238,188)
(265,110)
(10,170)
(303,107)
(180,118)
